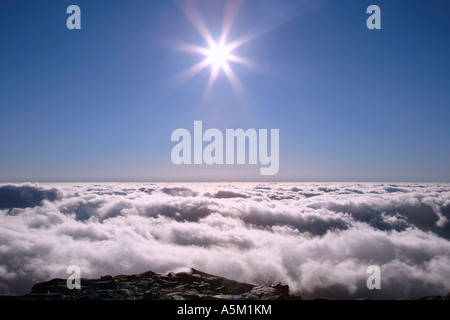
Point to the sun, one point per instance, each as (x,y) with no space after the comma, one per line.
(220,53)
(218,56)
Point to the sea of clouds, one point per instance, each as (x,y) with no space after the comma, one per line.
(318,238)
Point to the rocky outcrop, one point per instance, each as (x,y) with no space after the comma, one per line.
(445,297)
(193,285)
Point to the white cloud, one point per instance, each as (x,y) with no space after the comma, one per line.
(317,238)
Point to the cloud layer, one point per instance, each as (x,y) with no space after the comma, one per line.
(318,238)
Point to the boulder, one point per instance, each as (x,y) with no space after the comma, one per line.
(281,287)
(264,293)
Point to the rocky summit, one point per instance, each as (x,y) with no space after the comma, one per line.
(193,285)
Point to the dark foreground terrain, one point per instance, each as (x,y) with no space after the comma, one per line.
(193,285)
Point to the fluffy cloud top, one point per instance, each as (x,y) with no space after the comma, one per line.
(317,238)
(24,196)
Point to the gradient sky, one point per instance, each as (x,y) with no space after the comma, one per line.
(100,103)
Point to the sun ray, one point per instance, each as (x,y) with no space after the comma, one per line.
(191,48)
(236,83)
(231,11)
(212,79)
(240,60)
(190,72)
(198,22)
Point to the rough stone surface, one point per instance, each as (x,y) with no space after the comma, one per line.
(281,287)
(193,285)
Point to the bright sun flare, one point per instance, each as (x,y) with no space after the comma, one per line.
(218,56)
(219,53)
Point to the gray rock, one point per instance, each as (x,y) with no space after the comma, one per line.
(264,293)
(281,287)
(193,285)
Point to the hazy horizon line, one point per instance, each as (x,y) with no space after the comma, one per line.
(220,181)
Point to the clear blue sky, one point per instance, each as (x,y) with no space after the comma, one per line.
(100,103)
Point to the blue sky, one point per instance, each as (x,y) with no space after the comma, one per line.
(100,103)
